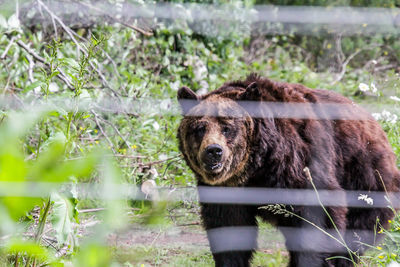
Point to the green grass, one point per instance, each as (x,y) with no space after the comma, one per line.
(155,256)
(167,257)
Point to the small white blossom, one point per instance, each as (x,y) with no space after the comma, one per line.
(156,126)
(373,88)
(162,156)
(395,98)
(385,113)
(374,62)
(366,198)
(394,264)
(385,116)
(363,87)
(389,117)
(203,87)
(393,119)
(377,116)
(175,85)
(53,87)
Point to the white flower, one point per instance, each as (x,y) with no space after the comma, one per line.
(393,118)
(394,264)
(53,87)
(389,117)
(156,126)
(395,98)
(373,88)
(385,116)
(363,87)
(203,87)
(374,62)
(366,198)
(162,156)
(377,116)
(175,85)
(200,70)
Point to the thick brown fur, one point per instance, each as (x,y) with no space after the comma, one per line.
(272,152)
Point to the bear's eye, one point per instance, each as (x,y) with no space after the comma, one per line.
(200,130)
(226,130)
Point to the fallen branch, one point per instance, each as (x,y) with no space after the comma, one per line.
(102,131)
(3,56)
(146,33)
(130,156)
(91,210)
(149,164)
(385,67)
(30,70)
(347,61)
(118,132)
(188,224)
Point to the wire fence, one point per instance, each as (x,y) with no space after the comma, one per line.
(170,107)
(225,19)
(206,194)
(302,20)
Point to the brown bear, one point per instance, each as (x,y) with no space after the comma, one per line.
(259,133)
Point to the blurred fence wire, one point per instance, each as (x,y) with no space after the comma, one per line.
(225,19)
(206,194)
(170,107)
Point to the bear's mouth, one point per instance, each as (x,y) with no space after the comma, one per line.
(213,167)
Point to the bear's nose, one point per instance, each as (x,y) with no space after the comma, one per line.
(214,152)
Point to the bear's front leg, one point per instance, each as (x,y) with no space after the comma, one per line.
(232,233)
(313,239)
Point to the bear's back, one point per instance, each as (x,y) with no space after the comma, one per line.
(360,142)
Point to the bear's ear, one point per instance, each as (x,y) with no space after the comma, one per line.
(252,92)
(187,99)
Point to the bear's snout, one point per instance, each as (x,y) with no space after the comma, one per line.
(212,156)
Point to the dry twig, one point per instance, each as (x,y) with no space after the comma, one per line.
(149,164)
(118,132)
(348,59)
(102,131)
(91,210)
(3,56)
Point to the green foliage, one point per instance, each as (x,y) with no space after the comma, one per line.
(93,255)
(62,217)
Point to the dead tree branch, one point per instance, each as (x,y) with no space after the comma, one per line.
(146,33)
(347,61)
(103,132)
(3,56)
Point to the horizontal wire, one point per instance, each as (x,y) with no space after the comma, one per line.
(205,194)
(237,18)
(165,107)
(303,238)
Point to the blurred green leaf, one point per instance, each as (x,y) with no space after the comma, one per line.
(3,22)
(93,255)
(32,86)
(61,217)
(13,22)
(30,248)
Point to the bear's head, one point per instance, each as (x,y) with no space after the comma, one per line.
(215,135)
